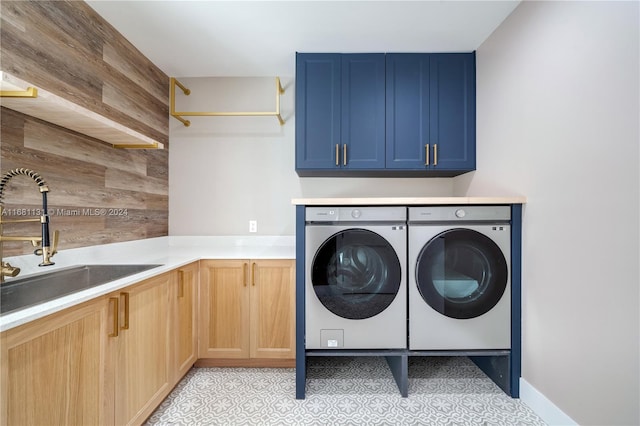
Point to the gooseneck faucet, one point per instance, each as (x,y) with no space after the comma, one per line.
(46,250)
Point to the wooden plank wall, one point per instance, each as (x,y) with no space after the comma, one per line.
(98,194)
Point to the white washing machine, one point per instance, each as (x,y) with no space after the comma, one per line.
(459,279)
(355,278)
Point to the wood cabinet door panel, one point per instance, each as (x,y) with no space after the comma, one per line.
(53,370)
(273,309)
(142,368)
(224,312)
(186,296)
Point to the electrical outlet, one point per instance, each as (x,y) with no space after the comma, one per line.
(253,226)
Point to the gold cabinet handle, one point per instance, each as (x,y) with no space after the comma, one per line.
(344,154)
(180,284)
(435,154)
(426,155)
(337,154)
(253,274)
(116,314)
(244,274)
(125,323)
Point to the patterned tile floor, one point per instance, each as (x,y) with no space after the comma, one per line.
(343,391)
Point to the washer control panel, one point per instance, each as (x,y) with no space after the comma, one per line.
(355,214)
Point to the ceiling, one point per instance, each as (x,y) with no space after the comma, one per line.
(260,38)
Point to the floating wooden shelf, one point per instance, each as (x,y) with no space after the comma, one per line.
(23,97)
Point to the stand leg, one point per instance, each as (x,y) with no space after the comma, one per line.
(399,366)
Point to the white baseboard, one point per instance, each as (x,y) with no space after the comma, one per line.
(543,407)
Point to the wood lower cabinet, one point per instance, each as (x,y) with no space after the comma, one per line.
(272,313)
(185,340)
(142,370)
(53,369)
(224,309)
(114,359)
(103,362)
(247,310)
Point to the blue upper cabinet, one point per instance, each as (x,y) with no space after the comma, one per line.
(385,115)
(340,108)
(363,107)
(430,113)
(408,111)
(453,111)
(318,106)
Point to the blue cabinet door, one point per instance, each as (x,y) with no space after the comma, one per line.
(453,111)
(363,110)
(318,115)
(430,112)
(407,111)
(340,103)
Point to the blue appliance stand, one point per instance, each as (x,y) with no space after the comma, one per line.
(501,366)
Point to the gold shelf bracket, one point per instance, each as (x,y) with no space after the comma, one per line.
(30,92)
(178,115)
(154,145)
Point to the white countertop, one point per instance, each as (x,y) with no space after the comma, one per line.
(409,201)
(170,252)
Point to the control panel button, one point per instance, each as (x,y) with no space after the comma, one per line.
(460,213)
(356,214)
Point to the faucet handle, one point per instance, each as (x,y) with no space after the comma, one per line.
(48,252)
(53,250)
(8,270)
(56,238)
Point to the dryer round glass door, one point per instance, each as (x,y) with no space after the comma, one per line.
(461,273)
(356,274)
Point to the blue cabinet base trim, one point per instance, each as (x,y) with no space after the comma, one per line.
(469,353)
(379,173)
(356,352)
(496,364)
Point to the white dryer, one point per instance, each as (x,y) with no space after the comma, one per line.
(459,280)
(355,278)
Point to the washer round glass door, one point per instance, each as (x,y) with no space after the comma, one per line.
(461,273)
(356,274)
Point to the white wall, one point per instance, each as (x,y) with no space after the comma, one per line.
(558,121)
(225,171)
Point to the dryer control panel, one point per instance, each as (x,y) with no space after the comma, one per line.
(460,214)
